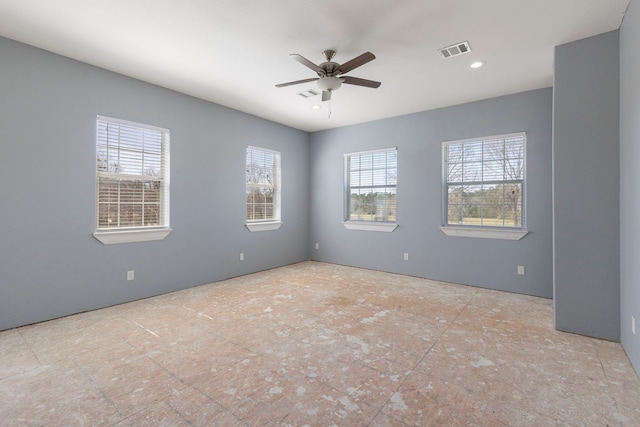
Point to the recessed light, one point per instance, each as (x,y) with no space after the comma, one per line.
(316,107)
(477,64)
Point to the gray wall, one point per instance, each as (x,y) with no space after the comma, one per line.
(630,181)
(586,187)
(473,261)
(50,264)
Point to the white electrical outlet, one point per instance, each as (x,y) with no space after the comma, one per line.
(521,270)
(406,256)
(317,245)
(130,275)
(633,325)
(241,256)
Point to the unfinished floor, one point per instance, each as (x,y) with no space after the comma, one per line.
(319,345)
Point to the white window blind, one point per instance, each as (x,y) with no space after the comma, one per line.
(484,181)
(370,180)
(262,185)
(132,162)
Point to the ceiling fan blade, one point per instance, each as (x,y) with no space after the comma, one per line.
(360,82)
(297,82)
(355,63)
(304,61)
(326,95)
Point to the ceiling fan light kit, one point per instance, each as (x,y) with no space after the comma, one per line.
(331,74)
(329,83)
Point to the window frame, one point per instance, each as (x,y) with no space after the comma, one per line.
(138,233)
(367,225)
(276,221)
(482,230)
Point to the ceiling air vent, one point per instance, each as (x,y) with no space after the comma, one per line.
(455,49)
(309,93)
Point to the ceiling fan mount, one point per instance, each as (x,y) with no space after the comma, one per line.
(329,54)
(331,74)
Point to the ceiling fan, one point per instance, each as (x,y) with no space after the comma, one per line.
(331,74)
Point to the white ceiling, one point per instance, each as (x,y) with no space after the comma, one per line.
(233,52)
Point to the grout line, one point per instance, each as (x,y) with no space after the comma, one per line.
(26,343)
(148,330)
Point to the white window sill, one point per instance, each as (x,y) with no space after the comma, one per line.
(263,226)
(484,233)
(386,227)
(130,236)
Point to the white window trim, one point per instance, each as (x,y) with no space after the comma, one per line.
(386,227)
(131,236)
(116,236)
(276,223)
(484,232)
(263,226)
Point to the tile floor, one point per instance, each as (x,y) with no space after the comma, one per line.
(318,345)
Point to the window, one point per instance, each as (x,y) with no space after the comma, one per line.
(132,194)
(483,182)
(370,180)
(263,189)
